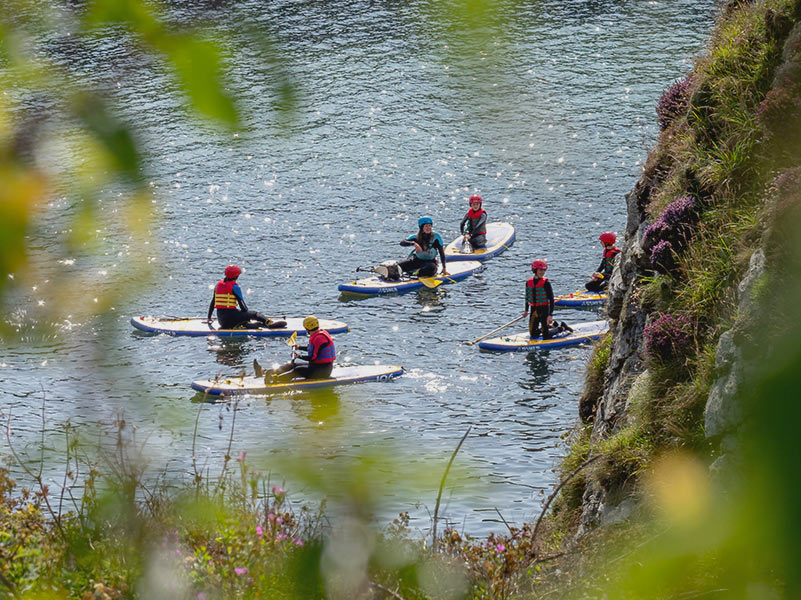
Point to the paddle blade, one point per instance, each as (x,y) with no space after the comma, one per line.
(293,339)
(431,282)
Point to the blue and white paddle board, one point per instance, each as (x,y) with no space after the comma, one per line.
(250,384)
(521,342)
(375,285)
(581,298)
(499,237)
(197,326)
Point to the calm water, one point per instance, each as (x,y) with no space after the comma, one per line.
(552,134)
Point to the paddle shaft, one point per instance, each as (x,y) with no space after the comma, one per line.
(515,320)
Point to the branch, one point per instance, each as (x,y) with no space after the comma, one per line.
(442,485)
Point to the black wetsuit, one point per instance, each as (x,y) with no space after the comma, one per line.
(425,267)
(477,241)
(230,318)
(538,317)
(605,269)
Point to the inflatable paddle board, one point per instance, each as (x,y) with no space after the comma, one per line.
(521,342)
(376,285)
(250,384)
(197,326)
(499,237)
(581,298)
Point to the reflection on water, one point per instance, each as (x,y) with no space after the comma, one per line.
(552,133)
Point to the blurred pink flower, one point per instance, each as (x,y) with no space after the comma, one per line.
(271,517)
(279,520)
(242,455)
(500,548)
(298,541)
(278,491)
(240,570)
(281,536)
(259,530)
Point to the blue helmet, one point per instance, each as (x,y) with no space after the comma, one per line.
(423,220)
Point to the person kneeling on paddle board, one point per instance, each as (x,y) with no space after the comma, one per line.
(231,308)
(539,299)
(320,357)
(423,259)
(474,224)
(600,279)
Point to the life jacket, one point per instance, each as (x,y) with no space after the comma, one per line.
(474,217)
(321,342)
(535,292)
(431,252)
(609,260)
(224,295)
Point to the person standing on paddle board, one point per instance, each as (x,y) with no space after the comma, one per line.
(600,279)
(423,259)
(474,225)
(539,301)
(320,356)
(231,308)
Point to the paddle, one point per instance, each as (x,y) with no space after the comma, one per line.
(433,282)
(515,320)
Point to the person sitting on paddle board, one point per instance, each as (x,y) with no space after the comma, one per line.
(320,356)
(600,279)
(231,308)
(423,259)
(474,225)
(539,300)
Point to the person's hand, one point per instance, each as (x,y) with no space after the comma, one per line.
(549,320)
(525,313)
(295,354)
(595,276)
(209,322)
(445,273)
(417,247)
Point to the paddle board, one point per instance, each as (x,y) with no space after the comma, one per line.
(250,384)
(376,285)
(521,342)
(581,298)
(499,237)
(197,326)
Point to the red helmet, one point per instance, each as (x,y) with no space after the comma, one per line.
(475,198)
(607,237)
(232,271)
(539,264)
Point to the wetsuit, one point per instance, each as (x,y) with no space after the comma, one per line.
(605,269)
(539,300)
(231,308)
(424,262)
(475,224)
(320,359)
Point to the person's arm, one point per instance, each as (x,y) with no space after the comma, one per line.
(462,225)
(549,294)
(527,297)
(409,241)
(211,307)
(237,291)
(438,246)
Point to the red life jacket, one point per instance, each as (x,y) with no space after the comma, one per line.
(608,260)
(224,295)
(321,349)
(535,292)
(474,216)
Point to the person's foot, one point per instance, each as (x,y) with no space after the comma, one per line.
(257,368)
(566,327)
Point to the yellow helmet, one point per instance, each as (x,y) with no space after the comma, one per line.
(311,323)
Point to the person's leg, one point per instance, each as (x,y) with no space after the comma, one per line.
(533,324)
(596,285)
(410,264)
(547,332)
(479,241)
(427,269)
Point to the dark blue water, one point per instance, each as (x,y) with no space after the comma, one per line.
(550,125)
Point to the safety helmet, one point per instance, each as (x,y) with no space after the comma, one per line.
(232,271)
(607,237)
(423,220)
(311,323)
(539,264)
(475,198)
